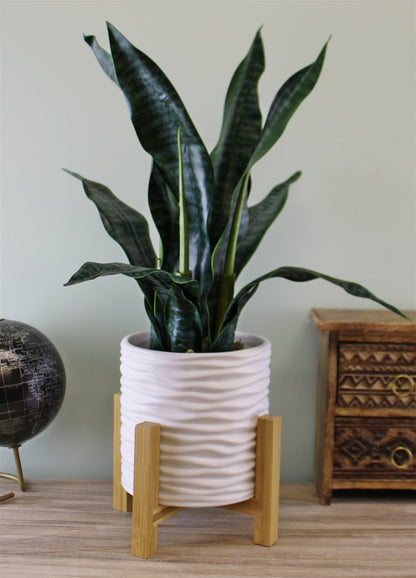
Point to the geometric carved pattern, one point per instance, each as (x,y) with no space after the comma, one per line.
(376,448)
(368,371)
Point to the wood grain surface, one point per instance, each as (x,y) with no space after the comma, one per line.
(359,319)
(69,528)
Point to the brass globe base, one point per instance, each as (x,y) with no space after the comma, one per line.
(19,478)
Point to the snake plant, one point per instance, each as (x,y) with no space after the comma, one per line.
(199,202)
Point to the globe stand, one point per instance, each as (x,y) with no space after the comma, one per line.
(19,478)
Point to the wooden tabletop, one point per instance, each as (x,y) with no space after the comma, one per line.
(69,528)
(363,319)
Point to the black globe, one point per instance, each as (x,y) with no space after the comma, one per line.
(32,382)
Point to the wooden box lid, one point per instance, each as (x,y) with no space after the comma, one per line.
(363,320)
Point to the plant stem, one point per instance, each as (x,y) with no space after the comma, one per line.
(183,219)
(235,228)
(225,296)
(227,277)
(159,260)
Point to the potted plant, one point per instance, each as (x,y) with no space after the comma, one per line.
(208,232)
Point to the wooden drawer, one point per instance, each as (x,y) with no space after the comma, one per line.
(377,449)
(376,375)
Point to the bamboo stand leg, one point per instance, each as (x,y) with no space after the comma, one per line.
(267,479)
(122,500)
(265,504)
(146,489)
(147,513)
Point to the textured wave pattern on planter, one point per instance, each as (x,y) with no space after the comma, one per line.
(207,405)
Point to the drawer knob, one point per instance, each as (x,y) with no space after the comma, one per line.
(401,457)
(402,392)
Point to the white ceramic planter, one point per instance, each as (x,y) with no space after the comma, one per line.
(207,405)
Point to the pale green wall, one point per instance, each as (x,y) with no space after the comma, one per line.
(351,215)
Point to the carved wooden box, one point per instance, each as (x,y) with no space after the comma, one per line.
(366,407)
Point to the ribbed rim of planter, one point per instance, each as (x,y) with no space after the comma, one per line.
(252,343)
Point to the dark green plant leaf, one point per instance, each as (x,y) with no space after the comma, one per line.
(156,340)
(125,225)
(224,260)
(159,339)
(150,280)
(183,322)
(297,274)
(157,112)
(104,58)
(226,336)
(285,103)
(199,245)
(183,218)
(155,284)
(260,217)
(240,132)
(165,212)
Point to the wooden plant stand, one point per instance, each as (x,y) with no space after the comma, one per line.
(148,513)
